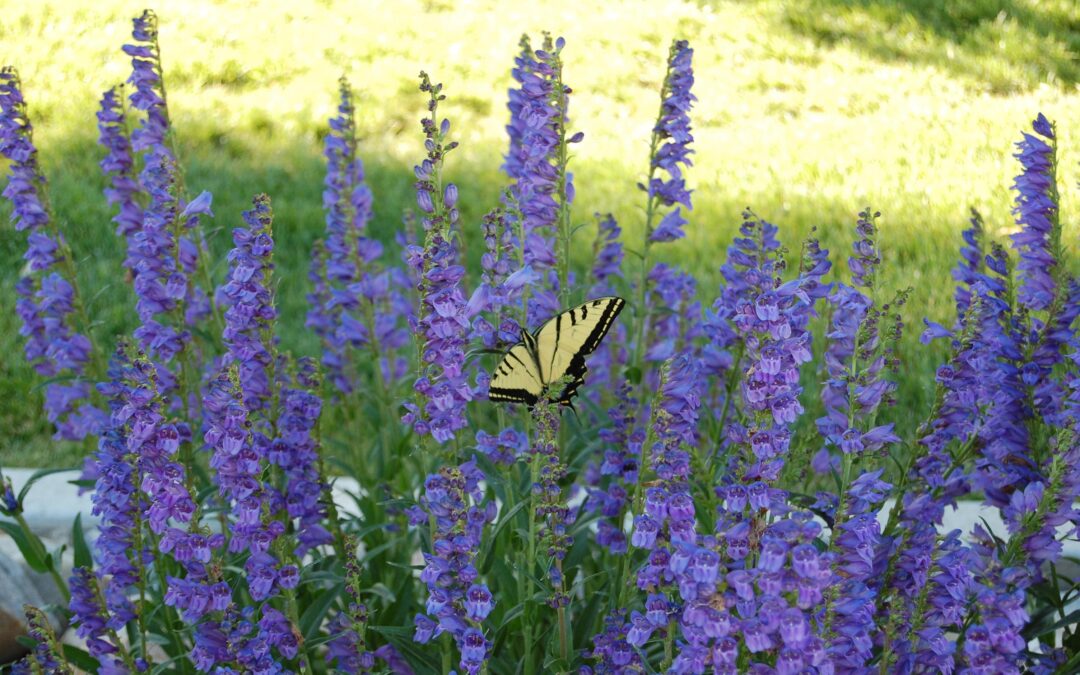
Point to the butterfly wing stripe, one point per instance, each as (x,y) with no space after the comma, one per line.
(515,378)
(554,352)
(512,395)
(600,330)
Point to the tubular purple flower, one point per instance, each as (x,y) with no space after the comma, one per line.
(146,79)
(1038,241)
(672,137)
(442,322)
(94,623)
(249,305)
(47,301)
(118,166)
(538,119)
(457,600)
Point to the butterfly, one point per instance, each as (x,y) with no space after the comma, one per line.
(555,350)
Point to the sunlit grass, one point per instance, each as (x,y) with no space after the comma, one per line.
(807,112)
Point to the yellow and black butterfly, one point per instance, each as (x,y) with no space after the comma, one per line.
(553,352)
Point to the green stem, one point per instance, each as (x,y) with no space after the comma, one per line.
(669,643)
(635,504)
(530,566)
(447,648)
(564,625)
(643,278)
(168,614)
(294,616)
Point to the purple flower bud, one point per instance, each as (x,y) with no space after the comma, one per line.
(423,200)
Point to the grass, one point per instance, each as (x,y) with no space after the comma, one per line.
(807,111)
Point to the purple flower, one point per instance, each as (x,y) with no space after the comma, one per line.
(770,318)
(610,481)
(348,648)
(295,451)
(611,647)
(146,78)
(442,323)
(47,298)
(354,299)
(93,620)
(1037,213)
(119,167)
(538,120)
(672,137)
(670,227)
(457,600)
(249,304)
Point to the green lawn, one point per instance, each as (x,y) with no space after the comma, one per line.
(807,111)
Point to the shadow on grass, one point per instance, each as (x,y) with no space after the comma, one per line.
(236,168)
(1001,45)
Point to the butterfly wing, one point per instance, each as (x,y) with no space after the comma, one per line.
(564,341)
(516,379)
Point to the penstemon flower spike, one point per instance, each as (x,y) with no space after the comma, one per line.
(733,551)
(442,320)
(54,320)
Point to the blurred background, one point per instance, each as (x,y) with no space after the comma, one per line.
(808,111)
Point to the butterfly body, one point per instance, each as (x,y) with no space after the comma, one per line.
(555,352)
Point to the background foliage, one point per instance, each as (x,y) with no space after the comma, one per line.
(808,111)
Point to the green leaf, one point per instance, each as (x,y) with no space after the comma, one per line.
(1040,628)
(368,555)
(380,590)
(401,638)
(504,520)
(29,551)
(37,475)
(81,659)
(556,665)
(312,618)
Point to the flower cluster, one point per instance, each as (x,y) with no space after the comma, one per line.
(47,656)
(164,251)
(550,508)
(610,481)
(537,129)
(767,316)
(356,303)
(605,366)
(501,286)
(1037,213)
(348,648)
(458,602)
(47,301)
(119,166)
(442,322)
(672,137)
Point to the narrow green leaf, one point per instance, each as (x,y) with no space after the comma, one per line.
(313,616)
(81,659)
(26,546)
(35,477)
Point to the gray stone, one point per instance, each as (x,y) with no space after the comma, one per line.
(53,502)
(20,585)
